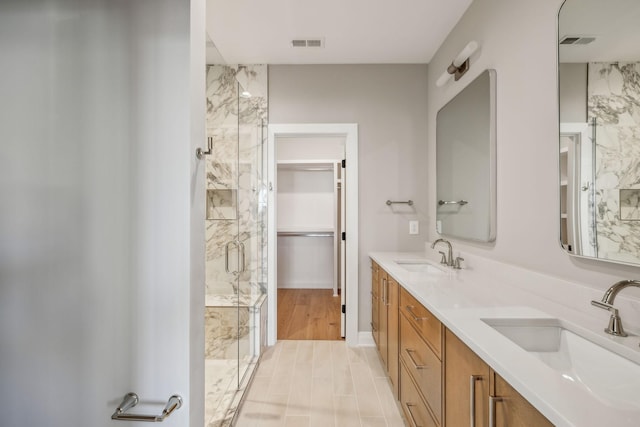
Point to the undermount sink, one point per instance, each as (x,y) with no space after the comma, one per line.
(419,266)
(611,378)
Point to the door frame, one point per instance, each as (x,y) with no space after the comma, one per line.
(350,132)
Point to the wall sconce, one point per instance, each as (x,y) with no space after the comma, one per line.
(460,64)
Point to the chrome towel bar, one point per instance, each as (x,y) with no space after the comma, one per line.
(131,399)
(452,202)
(391,202)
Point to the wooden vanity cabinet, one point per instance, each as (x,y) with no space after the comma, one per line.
(466,377)
(393,341)
(386,330)
(511,409)
(413,406)
(375,302)
(433,373)
(420,354)
(383,316)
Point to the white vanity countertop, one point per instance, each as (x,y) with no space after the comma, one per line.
(461,298)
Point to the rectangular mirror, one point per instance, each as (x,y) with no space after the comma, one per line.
(466,162)
(599,150)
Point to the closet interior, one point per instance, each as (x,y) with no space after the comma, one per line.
(310,216)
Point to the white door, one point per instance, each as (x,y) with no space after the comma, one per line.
(101,258)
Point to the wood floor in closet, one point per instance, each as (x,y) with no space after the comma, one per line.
(308,314)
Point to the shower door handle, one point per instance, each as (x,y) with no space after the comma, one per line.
(243,266)
(226,254)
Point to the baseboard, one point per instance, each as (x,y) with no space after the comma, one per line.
(365,339)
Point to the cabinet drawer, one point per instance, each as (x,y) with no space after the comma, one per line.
(426,323)
(415,410)
(423,366)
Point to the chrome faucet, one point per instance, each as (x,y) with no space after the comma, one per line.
(615,323)
(447,260)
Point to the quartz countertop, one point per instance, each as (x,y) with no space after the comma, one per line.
(461,298)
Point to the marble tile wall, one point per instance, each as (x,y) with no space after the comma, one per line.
(614,102)
(235,176)
(226,332)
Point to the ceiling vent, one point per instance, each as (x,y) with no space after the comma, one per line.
(316,42)
(576,40)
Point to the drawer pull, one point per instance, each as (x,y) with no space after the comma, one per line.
(413,420)
(415,365)
(415,318)
(472,398)
(492,410)
(384,291)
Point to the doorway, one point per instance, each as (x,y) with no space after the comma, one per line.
(310,222)
(344,268)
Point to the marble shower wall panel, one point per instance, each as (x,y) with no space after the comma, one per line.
(614,102)
(223,327)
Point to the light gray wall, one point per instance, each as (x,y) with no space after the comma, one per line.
(99,272)
(573,92)
(389,104)
(527,135)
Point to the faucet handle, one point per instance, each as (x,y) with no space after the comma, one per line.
(443,260)
(615,322)
(456,263)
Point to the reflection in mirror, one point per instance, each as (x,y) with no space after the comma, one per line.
(466,162)
(599,86)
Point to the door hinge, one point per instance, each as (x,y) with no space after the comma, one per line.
(344,235)
(344,163)
(344,309)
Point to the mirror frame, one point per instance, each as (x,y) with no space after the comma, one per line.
(489,210)
(562,125)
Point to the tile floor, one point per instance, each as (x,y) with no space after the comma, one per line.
(319,384)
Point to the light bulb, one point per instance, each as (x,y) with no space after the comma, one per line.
(468,50)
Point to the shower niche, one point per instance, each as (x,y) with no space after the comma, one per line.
(222,203)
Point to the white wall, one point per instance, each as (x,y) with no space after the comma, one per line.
(98,266)
(518,38)
(389,104)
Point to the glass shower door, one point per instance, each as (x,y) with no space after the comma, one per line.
(251,191)
(236,232)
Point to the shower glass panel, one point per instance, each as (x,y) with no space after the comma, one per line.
(251,223)
(236,234)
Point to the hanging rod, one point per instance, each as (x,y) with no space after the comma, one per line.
(306,233)
(408,202)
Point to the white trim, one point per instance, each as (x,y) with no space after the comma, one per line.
(350,132)
(365,339)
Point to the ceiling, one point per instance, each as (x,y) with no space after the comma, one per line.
(353,31)
(613,24)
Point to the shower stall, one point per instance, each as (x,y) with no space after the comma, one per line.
(236,230)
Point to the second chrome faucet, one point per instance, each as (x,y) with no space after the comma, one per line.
(615,323)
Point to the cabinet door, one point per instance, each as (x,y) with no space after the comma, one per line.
(511,409)
(375,303)
(466,385)
(393,298)
(383,281)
